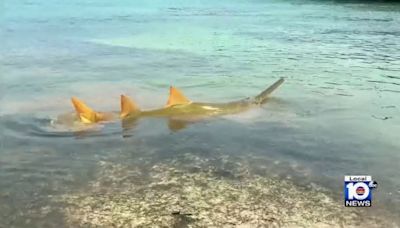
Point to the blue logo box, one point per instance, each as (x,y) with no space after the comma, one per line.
(358,191)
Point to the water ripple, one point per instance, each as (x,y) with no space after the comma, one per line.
(24,126)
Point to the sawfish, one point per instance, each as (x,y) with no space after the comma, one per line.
(179,110)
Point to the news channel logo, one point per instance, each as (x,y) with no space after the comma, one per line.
(358,191)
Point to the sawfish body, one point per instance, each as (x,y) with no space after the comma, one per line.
(179,110)
(197,109)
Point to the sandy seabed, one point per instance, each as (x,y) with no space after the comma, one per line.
(176,194)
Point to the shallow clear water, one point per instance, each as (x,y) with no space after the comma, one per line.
(336,114)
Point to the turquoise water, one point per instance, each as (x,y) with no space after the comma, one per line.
(336,114)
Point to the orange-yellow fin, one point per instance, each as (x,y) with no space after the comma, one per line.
(85,114)
(176,97)
(128,106)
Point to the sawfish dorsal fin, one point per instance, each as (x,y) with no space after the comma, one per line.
(85,114)
(176,97)
(128,106)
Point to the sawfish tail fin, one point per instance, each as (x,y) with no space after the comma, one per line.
(262,97)
(85,114)
(128,107)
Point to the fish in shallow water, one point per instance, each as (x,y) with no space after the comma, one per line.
(179,110)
